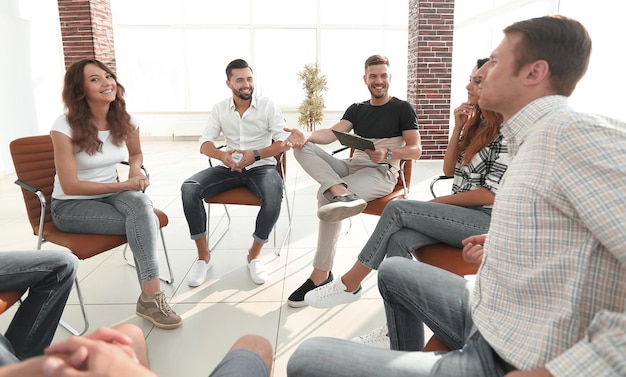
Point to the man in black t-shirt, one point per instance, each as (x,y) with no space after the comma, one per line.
(347,185)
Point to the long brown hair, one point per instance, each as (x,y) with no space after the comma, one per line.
(480,129)
(79,116)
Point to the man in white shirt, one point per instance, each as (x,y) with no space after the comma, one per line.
(252,127)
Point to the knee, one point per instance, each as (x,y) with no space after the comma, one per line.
(393,207)
(190,191)
(389,269)
(257,344)
(68,264)
(274,199)
(306,148)
(300,362)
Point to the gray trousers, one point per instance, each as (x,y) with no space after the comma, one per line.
(364,178)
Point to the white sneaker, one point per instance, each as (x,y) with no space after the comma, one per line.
(377,338)
(331,294)
(197,275)
(258,271)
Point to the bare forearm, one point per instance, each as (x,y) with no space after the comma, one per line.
(478,197)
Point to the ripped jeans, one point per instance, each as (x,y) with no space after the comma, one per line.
(264,181)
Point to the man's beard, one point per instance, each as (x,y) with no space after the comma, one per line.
(244,97)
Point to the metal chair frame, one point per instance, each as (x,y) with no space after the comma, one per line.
(281,167)
(32,156)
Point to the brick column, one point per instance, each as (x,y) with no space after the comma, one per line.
(431,27)
(87,31)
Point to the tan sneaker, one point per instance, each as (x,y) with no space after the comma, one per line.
(156,310)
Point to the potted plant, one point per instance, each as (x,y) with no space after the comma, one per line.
(311,109)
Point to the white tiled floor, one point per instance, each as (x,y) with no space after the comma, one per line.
(228,305)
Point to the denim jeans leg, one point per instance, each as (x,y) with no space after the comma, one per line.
(128,212)
(203,184)
(266,184)
(416,293)
(142,230)
(323,357)
(48,276)
(430,222)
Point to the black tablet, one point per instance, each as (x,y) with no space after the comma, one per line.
(354,141)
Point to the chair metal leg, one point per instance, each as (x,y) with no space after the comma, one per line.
(170,279)
(221,235)
(67,326)
(288,234)
(167,261)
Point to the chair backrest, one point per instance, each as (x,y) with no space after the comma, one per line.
(33,158)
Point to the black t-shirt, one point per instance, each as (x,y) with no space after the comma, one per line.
(378,122)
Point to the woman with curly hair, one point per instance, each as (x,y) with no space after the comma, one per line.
(90,139)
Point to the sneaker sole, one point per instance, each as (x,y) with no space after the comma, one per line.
(296,304)
(340,211)
(159,325)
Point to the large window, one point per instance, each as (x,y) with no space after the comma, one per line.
(478,30)
(171,55)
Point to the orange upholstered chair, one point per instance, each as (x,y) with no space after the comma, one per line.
(243,196)
(33,158)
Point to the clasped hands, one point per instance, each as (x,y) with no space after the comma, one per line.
(138,183)
(237,159)
(106,352)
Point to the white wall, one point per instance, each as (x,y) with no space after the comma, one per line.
(478,30)
(32,71)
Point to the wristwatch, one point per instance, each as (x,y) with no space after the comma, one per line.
(257,155)
(389,153)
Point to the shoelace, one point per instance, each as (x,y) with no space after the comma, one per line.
(330,289)
(164,307)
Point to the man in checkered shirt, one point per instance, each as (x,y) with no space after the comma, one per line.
(550,295)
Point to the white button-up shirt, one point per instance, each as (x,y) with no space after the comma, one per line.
(260,124)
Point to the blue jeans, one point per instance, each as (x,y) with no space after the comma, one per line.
(127,212)
(406,225)
(264,181)
(414,293)
(48,276)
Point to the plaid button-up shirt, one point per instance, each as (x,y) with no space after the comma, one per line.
(484,170)
(551,291)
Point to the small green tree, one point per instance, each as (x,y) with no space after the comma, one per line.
(311,109)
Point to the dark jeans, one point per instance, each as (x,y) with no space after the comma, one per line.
(48,276)
(264,181)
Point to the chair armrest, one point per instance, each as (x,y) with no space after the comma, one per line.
(211,159)
(145,171)
(440,178)
(42,203)
(27,187)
